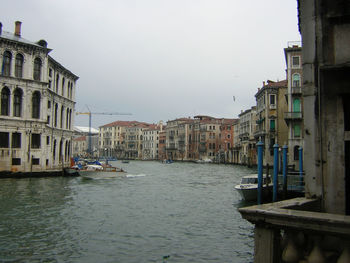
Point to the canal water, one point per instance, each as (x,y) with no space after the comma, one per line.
(179,212)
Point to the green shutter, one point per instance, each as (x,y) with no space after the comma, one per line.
(296,130)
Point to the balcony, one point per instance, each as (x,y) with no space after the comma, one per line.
(259,133)
(293,115)
(296,90)
(296,230)
(171,146)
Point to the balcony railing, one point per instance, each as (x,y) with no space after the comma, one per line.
(259,133)
(296,90)
(296,231)
(293,115)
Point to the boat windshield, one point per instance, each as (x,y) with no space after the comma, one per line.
(254,180)
(250,180)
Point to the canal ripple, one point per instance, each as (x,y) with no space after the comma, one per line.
(180,212)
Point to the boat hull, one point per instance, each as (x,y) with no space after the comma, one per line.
(250,193)
(100,174)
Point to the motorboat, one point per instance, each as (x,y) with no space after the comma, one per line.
(95,171)
(248,188)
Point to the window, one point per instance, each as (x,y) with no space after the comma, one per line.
(296,130)
(4,139)
(16,140)
(296,80)
(35,140)
(50,72)
(37,69)
(47,140)
(6,63)
(35,161)
(36,105)
(296,153)
(295,62)
(49,104)
(55,116)
(63,81)
(19,66)
(16,161)
(272,99)
(5,101)
(296,105)
(57,80)
(17,103)
(61,120)
(272,125)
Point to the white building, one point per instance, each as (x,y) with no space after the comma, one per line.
(36,106)
(150,141)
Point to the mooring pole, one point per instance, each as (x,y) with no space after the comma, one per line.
(285,165)
(260,145)
(275,172)
(301,165)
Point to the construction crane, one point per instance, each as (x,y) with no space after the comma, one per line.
(97,113)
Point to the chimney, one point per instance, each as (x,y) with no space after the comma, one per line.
(18,28)
(0,28)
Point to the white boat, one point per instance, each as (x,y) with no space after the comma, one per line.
(94,171)
(248,188)
(204,161)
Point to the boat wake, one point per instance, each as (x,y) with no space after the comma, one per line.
(135,175)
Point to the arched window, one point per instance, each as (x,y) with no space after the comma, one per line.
(296,80)
(67,118)
(296,105)
(19,66)
(61,121)
(17,103)
(5,101)
(54,151)
(56,109)
(57,81)
(36,105)
(63,81)
(37,69)
(6,63)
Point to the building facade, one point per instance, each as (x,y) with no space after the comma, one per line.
(271,127)
(37,106)
(294,114)
(150,141)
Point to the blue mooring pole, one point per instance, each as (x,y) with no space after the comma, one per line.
(275,172)
(285,165)
(301,165)
(260,145)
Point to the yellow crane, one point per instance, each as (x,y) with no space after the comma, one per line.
(97,113)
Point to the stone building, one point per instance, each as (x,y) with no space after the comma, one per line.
(271,127)
(121,139)
(246,145)
(36,106)
(294,116)
(316,228)
(150,141)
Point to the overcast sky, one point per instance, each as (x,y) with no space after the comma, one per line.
(161,59)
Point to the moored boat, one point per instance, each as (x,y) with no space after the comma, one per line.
(248,188)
